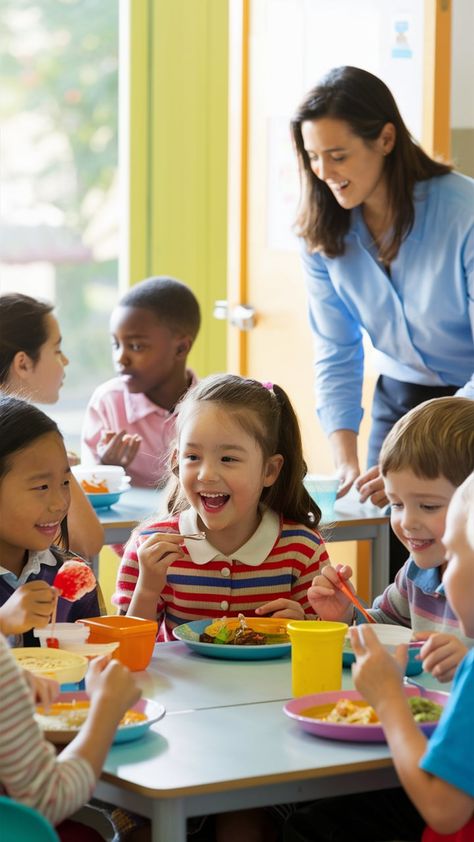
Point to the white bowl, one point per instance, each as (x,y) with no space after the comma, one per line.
(67,634)
(113,476)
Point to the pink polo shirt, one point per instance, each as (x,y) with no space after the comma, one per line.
(113,407)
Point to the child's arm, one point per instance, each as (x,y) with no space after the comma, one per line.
(442,654)
(378,677)
(30,606)
(86,534)
(112,690)
(155,554)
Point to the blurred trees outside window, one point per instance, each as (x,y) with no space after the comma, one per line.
(59,177)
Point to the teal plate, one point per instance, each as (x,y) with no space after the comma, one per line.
(414,667)
(189,633)
(124,734)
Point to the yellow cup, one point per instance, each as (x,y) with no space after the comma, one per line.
(316,655)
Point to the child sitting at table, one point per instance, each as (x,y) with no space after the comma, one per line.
(239,472)
(34,501)
(425,457)
(130,420)
(32,367)
(437,776)
(30,772)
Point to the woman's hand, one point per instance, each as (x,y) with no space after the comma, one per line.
(30,606)
(344,448)
(326,597)
(378,676)
(441,654)
(288,608)
(371,487)
(45,691)
(118,448)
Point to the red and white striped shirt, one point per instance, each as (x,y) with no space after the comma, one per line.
(30,771)
(279,561)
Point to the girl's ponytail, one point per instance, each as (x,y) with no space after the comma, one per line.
(288,495)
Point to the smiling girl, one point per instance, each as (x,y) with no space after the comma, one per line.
(34,501)
(32,365)
(239,469)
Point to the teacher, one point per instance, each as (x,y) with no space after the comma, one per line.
(388,237)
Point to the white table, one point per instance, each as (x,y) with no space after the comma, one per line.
(353,521)
(225,744)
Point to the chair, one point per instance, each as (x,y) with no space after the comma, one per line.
(20,823)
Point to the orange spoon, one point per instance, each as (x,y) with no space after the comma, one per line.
(355,601)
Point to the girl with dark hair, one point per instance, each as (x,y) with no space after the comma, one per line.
(389,249)
(34,501)
(32,366)
(239,472)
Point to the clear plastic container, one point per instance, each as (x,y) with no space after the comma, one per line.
(68,635)
(106,478)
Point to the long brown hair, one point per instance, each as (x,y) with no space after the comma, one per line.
(264,412)
(365,103)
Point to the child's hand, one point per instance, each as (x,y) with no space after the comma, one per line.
(109,681)
(325,596)
(288,608)
(45,691)
(441,654)
(118,448)
(72,458)
(155,555)
(30,606)
(378,676)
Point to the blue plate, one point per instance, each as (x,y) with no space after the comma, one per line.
(124,734)
(105,501)
(189,633)
(414,667)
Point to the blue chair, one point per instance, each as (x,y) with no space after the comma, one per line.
(20,823)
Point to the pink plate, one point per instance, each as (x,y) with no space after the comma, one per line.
(353,733)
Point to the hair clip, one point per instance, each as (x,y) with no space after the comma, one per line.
(268,386)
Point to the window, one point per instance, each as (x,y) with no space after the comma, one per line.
(59,199)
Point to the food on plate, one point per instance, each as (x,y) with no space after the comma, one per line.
(91,487)
(355,713)
(239,632)
(74,579)
(43,663)
(424,710)
(358,712)
(70,716)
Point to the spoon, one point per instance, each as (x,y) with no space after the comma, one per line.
(196,536)
(353,598)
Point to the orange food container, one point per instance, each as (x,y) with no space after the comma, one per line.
(136,638)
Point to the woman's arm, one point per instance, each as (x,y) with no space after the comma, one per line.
(344,451)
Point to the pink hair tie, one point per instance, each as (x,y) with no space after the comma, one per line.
(268,386)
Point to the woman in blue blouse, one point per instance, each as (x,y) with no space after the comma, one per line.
(389,250)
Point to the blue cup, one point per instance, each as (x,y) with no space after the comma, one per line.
(323,490)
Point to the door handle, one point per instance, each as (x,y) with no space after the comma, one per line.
(242,316)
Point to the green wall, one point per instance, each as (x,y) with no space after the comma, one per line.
(178,154)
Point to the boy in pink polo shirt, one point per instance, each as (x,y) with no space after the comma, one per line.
(130,419)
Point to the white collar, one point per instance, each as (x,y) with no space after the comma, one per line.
(252,553)
(33,565)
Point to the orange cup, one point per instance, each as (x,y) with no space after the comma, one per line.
(136,638)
